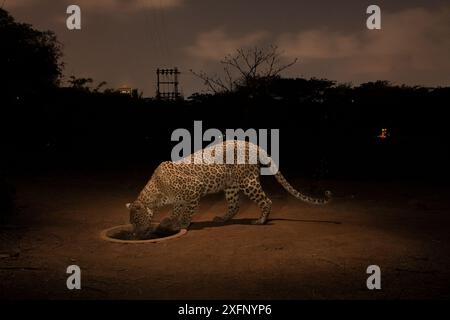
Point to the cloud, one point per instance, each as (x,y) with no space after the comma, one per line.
(215,44)
(319,44)
(413,43)
(108,4)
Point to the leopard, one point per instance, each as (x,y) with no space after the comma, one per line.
(182,183)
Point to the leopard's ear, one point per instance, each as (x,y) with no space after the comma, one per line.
(128,205)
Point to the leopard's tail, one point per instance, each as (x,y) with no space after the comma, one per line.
(299,195)
(266,160)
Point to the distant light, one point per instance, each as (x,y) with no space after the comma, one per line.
(384,134)
(126,90)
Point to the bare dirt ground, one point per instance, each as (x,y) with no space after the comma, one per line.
(304,252)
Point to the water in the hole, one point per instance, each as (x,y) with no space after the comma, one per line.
(154,234)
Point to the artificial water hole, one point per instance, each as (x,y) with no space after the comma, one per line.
(125,234)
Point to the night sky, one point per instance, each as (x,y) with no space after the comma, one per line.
(123,42)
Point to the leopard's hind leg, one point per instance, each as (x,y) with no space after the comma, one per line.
(232,198)
(252,188)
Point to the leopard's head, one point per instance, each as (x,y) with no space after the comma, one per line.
(140,217)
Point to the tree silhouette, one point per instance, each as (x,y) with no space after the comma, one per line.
(80,83)
(248,69)
(29,59)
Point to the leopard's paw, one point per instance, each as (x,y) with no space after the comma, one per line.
(219,219)
(166,223)
(259,221)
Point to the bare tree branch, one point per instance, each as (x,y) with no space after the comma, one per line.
(246,67)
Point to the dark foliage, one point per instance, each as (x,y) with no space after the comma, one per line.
(29,59)
(326,129)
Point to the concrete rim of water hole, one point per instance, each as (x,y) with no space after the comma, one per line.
(108,235)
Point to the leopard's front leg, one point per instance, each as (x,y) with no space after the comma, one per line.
(187,210)
(232,198)
(174,221)
(184,207)
(180,218)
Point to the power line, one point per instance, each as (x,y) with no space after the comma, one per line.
(165,33)
(160,30)
(153,7)
(152,30)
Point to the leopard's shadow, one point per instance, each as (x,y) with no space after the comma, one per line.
(198,225)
